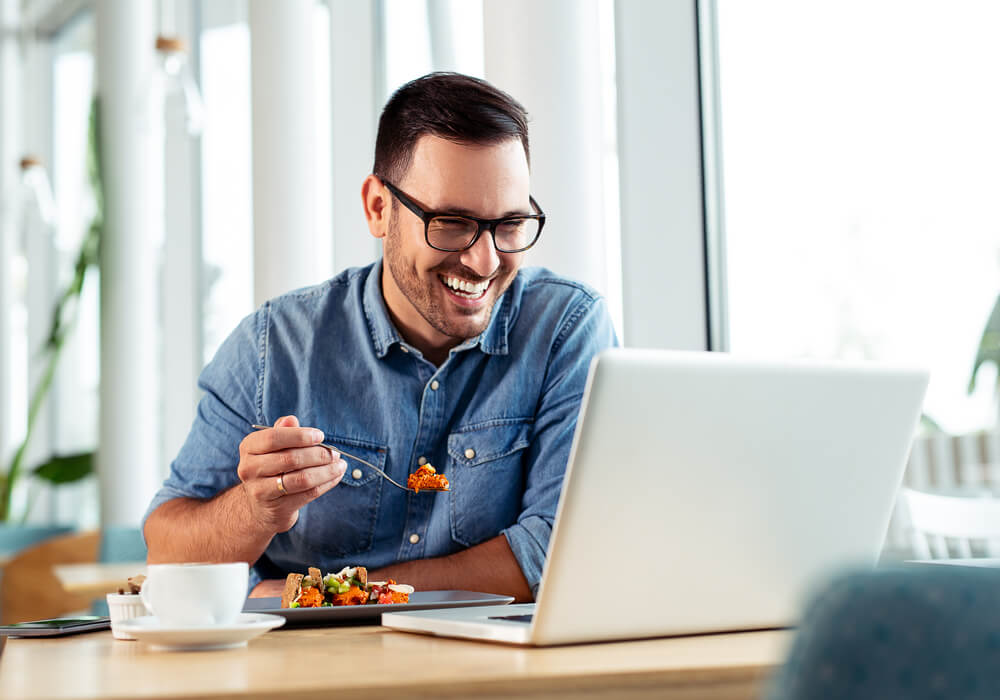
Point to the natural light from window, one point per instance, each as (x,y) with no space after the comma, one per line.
(860,145)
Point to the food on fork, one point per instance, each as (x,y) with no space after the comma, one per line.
(427,478)
(350,586)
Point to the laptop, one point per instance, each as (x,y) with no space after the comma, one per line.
(706,493)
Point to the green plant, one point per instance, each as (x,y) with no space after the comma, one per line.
(61,469)
(989,347)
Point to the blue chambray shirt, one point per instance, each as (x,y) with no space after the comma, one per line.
(497,418)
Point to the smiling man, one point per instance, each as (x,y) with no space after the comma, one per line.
(445,352)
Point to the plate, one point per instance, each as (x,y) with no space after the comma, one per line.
(247,626)
(419,600)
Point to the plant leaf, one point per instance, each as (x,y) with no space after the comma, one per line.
(64,469)
(989,346)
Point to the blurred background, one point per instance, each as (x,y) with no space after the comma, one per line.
(777,178)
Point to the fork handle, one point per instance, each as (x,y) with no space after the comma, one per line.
(348,454)
(367,464)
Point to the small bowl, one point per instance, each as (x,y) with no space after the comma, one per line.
(124,606)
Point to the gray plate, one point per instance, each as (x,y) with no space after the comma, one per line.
(419,600)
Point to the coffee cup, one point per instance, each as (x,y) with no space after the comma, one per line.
(195,595)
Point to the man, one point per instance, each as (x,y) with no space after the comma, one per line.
(444,352)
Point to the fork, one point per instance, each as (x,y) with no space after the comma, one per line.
(357,459)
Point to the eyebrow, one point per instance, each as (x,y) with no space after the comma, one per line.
(462,211)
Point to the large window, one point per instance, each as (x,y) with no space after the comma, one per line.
(860,149)
(227,210)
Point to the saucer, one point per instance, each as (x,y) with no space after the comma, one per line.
(247,626)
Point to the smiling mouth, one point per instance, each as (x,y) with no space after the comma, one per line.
(464,288)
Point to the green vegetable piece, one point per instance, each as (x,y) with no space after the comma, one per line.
(294,604)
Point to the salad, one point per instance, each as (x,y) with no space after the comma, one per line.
(349,586)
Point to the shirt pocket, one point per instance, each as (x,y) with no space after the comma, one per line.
(485,470)
(341,522)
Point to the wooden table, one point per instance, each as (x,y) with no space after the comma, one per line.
(371,662)
(96,579)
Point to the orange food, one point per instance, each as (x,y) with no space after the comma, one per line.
(355,596)
(310,598)
(427,478)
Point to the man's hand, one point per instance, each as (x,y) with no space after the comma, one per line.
(291,457)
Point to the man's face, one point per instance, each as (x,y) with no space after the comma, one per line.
(423,287)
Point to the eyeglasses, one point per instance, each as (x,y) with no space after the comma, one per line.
(455,232)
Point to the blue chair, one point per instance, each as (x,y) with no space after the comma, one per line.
(14,538)
(922,633)
(118,545)
(121,544)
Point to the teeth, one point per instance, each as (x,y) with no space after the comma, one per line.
(467,287)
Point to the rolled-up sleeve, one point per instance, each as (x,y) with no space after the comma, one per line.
(587,331)
(207,462)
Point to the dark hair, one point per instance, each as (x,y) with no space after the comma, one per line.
(452,106)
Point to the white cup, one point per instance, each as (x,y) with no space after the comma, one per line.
(195,595)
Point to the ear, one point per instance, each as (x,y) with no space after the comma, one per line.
(377,203)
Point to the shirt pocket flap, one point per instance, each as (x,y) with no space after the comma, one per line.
(485,442)
(359,474)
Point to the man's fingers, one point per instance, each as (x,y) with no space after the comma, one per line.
(287,422)
(280,438)
(254,466)
(297,500)
(304,480)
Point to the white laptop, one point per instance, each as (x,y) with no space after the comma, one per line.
(707,493)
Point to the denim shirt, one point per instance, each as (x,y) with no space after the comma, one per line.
(497,418)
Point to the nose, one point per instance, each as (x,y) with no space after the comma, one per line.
(482,257)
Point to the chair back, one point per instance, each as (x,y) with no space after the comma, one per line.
(928,632)
(14,538)
(29,589)
(954,522)
(122,544)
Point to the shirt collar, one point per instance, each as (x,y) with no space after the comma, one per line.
(492,341)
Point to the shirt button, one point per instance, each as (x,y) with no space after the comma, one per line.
(414,538)
(422,461)
(470,453)
(356,473)
(434,385)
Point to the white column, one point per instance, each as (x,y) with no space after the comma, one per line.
(440,16)
(356,87)
(546,55)
(181,291)
(40,251)
(281,57)
(9,178)
(129,439)
(660,174)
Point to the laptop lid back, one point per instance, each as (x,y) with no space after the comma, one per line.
(706,492)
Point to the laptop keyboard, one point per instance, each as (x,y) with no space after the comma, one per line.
(512,618)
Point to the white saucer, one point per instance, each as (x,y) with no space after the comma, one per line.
(247,626)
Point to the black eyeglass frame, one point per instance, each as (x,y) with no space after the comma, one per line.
(481,224)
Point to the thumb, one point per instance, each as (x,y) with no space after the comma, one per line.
(287,422)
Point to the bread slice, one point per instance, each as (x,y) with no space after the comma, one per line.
(293,586)
(317,578)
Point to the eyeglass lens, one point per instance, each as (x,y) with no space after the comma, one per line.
(456,233)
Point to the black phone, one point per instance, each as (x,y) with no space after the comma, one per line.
(56,627)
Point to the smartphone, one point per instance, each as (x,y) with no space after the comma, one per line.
(56,627)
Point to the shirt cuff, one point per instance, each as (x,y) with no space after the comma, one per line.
(529,541)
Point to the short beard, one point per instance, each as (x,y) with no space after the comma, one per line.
(419,295)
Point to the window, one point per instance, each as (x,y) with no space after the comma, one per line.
(227,209)
(860,145)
